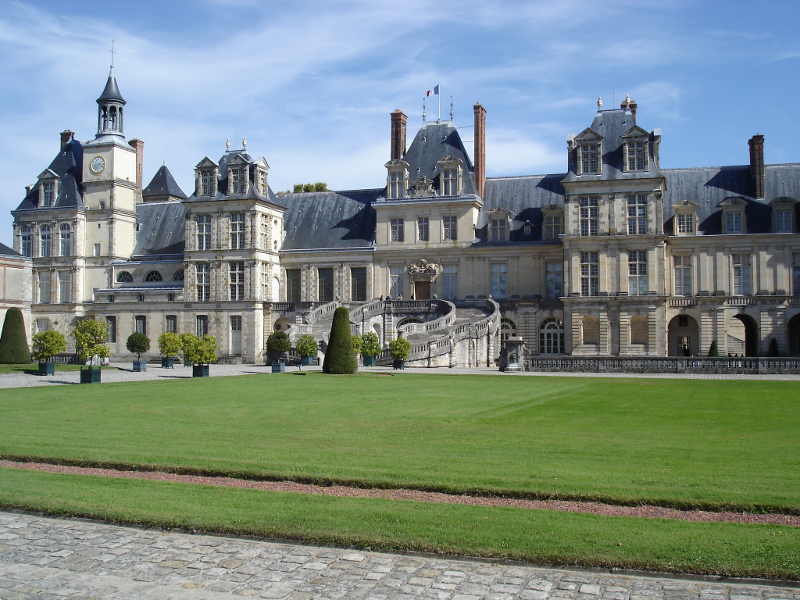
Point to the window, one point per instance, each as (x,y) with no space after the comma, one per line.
(685,223)
(397,282)
(171,324)
(262,181)
(733,221)
(683,275)
(124,277)
(46,246)
(207,183)
(65,236)
(358,284)
(498,230)
(26,245)
(293,279)
(325,291)
(398,233)
(203,232)
(449,228)
(178,275)
(588,215)
(637,273)
(203,282)
(111,329)
(590,274)
(140,324)
(796,275)
(589,158)
(48,191)
(396,187)
(741,274)
(265,232)
(449,281)
(638,330)
(498,273)
(44,287)
(237,230)
(637,155)
(201,325)
(140,298)
(65,287)
(590,330)
(553,226)
(450,180)
(637,214)
(236,273)
(238,180)
(98,249)
(553,279)
(265,291)
(153,276)
(170,297)
(551,337)
(783,220)
(423,229)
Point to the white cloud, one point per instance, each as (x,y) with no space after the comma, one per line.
(509,152)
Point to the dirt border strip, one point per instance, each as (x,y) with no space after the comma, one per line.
(598,508)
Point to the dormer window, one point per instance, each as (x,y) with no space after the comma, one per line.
(261,177)
(238,180)
(449,176)
(397,181)
(498,229)
(396,186)
(783,215)
(636,155)
(48,193)
(685,223)
(449,182)
(733,221)
(685,219)
(733,216)
(588,158)
(207,183)
(553,225)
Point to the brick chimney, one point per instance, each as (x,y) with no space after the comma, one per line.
(756,144)
(66,137)
(138,145)
(398,134)
(479,149)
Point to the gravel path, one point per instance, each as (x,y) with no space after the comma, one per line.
(646,511)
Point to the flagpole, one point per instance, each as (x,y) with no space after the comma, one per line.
(438,103)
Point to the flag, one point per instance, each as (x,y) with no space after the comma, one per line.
(436,90)
(427,93)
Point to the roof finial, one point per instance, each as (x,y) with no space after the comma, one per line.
(228,145)
(244,143)
(599,102)
(111,66)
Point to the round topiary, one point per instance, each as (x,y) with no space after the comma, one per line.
(138,343)
(339,356)
(13,341)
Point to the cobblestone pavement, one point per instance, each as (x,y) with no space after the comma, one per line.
(47,558)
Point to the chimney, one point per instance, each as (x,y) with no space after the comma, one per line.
(138,145)
(756,144)
(66,137)
(398,134)
(479,148)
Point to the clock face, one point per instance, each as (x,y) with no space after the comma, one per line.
(97,165)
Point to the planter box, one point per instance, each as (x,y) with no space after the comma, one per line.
(398,364)
(199,370)
(47,368)
(167,362)
(369,361)
(139,366)
(279,367)
(90,375)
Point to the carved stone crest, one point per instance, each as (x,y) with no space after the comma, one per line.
(422,270)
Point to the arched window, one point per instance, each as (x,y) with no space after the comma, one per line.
(153,276)
(65,234)
(46,240)
(551,337)
(507,329)
(178,275)
(124,277)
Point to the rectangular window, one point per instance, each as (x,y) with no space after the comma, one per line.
(171,324)
(396,185)
(265,232)
(293,278)
(499,230)
(450,182)
(358,284)
(683,275)
(637,156)
(48,189)
(203,232)
(65,287)
(238,180)
(203,282)
(207,183)
(325,291)
(449,228)
(553,226)
(398,230)
(588,215)
(237,231)
(262,181)
(499,280)
(111,329)
(140,324)
(45,239)
(589,158)
(733,221)
(397,278)
(783,221)
(201,325)
(450,281)
(554,279)
(686,223)
(236,280)
(423,229)
(65,234)
(590,274)
(637,214)
(98,249)
(741,274)
(26,245)
(44,287)
(637,273)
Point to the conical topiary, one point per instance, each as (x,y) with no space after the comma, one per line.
(13,341)
(339,356)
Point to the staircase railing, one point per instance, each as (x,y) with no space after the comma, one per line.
(321,312)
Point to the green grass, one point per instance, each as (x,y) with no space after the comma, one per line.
(684,443)
(539,536)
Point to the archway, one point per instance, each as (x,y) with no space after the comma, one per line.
(551,337)
(742,332)
(683,336)
(507,329)
(794,335)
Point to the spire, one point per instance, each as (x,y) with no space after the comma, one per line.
(110,107)
(111,91)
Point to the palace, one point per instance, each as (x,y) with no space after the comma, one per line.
(614,257)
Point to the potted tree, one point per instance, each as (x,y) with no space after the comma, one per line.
(169,344)
(188,340)
(202,353)
(307,349)
(357,343)
(138,343)
(46,344)
(89,336)
(399,349)
(278,346)
(370,348)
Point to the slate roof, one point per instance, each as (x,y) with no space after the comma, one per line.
(343,219)
(161,228)
(433,142)
(111,91)
(6,251)
(68,166)
(163,184)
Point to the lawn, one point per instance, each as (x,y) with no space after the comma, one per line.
(684,443)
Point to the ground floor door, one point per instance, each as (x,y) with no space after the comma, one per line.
(236,336)
(422,290)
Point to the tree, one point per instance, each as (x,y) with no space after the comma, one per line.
(339,357)
(713,350)
(169,344)
(399,348)
(308,187)
(46,344)
(320,186)
(204,351)
(357,342)
(370,344)
(277,344)
(13,340)
(89,336)
(138,343)
(188,341)
(298,188)
(306,347)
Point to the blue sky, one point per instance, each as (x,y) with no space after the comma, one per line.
(311,84)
